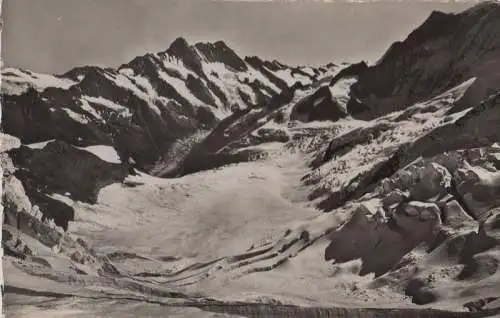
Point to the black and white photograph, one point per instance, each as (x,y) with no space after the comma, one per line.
(250,158)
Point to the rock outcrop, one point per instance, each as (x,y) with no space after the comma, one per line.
(318,106)
(444,51)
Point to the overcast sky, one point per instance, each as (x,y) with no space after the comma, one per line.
(56,35)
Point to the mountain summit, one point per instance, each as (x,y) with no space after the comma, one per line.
(444,51)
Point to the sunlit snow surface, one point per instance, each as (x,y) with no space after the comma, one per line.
(16,81)
(103,152)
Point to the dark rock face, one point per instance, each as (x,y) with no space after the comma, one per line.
(299,71)
(283,98)
(220,52)
(444,51)
(61,168)
(199,90)
(354,70)
(183,51)
(265,68)
(318,106)
(29,116)
(475,94)
(419,294)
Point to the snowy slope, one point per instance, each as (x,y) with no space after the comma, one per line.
(17,81)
